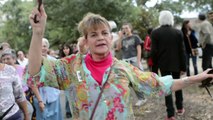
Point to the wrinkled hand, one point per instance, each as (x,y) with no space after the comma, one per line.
(203,76)
(41,106)
(39,27)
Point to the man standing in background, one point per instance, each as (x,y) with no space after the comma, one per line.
(130,46)
(206,40)
(168,54)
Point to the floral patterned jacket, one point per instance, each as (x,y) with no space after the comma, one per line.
(72,74)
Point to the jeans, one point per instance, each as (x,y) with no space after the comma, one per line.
(207,57)
(52,110)
(194,63)
(29,109)
(178,95)
(16,116)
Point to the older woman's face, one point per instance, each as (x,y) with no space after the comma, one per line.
(99,40)
(44,48)
(8,59)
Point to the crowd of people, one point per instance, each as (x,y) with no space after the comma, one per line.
(96,82)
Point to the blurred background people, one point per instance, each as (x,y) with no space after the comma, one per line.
(66,50)
(147,49)
(22,60)
(206,40)
(52,53)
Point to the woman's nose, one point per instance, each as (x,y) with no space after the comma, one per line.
(100,37)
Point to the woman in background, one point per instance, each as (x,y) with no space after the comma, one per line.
(191,42)
(65,51)
(11,95)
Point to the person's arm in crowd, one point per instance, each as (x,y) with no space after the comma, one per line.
(23,106)
(155,85)
(19,94)
(37,95)
(115,45)
(139,55)
(119,43)
(35,56)
(187,81)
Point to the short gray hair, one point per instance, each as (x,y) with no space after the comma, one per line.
(10,52)
(166,18)
(46,42)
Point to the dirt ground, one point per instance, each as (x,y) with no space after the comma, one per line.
(197,103)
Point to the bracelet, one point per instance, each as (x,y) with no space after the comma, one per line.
(40,101)
(36,75)
(185,80)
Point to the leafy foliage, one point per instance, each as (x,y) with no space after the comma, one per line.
(16,26)
(64,16)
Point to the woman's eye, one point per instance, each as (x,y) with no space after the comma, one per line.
(93,35)
(106,33)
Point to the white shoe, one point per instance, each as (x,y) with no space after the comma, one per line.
(140,102)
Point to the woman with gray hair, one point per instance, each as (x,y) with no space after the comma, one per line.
(168,54)
(11,93)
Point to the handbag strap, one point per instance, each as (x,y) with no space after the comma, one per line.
(8,110)
(190,44)
(100,94)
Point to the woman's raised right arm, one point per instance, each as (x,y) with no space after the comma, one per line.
(35,55)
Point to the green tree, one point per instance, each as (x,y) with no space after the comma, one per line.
(64,15)
(15,27)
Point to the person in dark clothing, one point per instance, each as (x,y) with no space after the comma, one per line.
(168,54)
(191,42)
